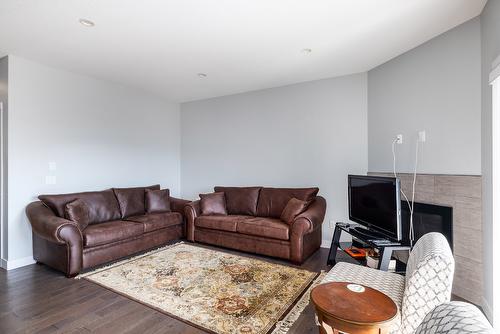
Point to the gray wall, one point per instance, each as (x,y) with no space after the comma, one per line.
(100,135)
(309,134)
(490,42)
(434,87)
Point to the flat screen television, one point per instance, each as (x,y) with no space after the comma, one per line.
(375,203)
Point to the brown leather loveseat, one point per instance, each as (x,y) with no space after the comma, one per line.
(253,224)
(118,226)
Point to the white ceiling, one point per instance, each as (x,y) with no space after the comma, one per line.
(242,45)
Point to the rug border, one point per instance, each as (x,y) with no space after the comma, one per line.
(267,330)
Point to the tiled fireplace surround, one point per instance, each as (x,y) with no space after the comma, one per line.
(463,194)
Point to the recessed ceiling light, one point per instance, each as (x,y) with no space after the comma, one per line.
(86,23)
(306,50)
(202,75)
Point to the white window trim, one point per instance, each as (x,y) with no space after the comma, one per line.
(495,73)
(495,138)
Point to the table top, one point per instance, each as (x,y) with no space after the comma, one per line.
(368,307)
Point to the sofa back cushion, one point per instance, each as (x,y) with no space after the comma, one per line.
(131,200)
(272,201)
(292,209)
(157,201)
(78,212)
(102,205)
(240,200)
(213,204)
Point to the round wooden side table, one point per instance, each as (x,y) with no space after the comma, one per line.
(352,308)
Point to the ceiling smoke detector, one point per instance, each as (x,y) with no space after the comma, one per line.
(306,51)
(201,75)
(86,23)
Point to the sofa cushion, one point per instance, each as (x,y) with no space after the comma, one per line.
(131,200)
(156,221)
(240,200)
(293,208)
(213,204)
(221,223)
(78,212)
(157,200)
(264,227)
(105,233)
(102,205)
(272,201)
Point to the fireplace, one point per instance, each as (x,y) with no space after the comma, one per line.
(462,226)
(428,218)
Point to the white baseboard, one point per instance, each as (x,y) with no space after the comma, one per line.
(488,312)
(13,264)
(326,243)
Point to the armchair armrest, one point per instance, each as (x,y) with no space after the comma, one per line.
(191,210)
(178,204)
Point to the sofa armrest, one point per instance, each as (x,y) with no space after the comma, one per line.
(178,204)
(191,210)
(46,225)
(305,236)
(310,219)
(51,227)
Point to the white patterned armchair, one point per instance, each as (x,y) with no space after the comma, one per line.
(455,318)
(427,284)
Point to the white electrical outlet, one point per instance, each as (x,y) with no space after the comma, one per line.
(331,224)
(421,136)
(399,139)
(50,179)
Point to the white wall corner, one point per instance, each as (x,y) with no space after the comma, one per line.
(487,310)
(14,264)
(326,243)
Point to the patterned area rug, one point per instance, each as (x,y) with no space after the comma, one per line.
(216,291)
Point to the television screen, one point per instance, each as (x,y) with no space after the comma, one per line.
(375,203)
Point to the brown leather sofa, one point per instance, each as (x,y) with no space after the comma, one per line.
(119,226)
(253,222)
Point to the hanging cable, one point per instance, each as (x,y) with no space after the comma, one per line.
(411,234)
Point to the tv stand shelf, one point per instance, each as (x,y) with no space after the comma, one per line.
(385,247)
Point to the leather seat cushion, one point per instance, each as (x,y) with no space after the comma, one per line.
(272,201)
(156,221)
(108,232)
(222,223)
(265,227)
(102,205)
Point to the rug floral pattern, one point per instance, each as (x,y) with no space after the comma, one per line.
(217,291)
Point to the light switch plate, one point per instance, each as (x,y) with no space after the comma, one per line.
(52,166)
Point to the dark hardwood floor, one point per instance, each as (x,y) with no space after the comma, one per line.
(37,299)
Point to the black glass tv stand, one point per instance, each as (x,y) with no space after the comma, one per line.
(370,239)
(368,234)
